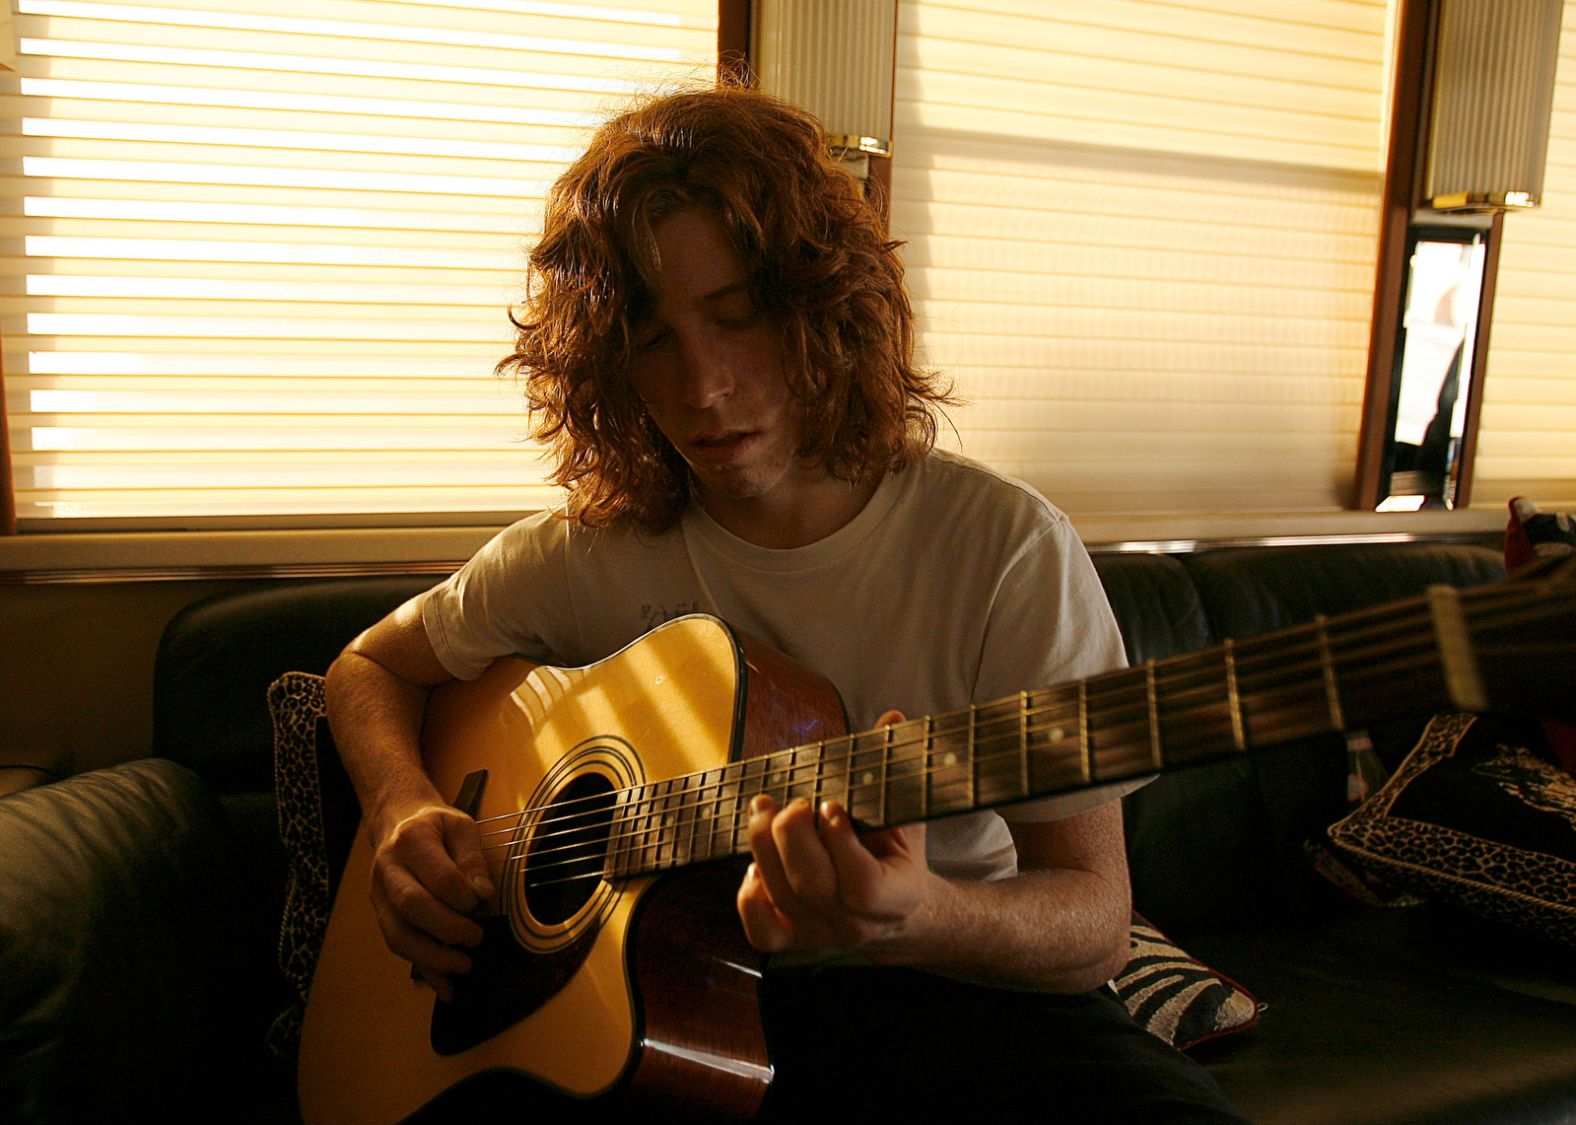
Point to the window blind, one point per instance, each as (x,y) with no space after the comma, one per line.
(1525,432)
(1142,238)
(265,252)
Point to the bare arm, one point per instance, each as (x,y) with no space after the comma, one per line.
(428,875)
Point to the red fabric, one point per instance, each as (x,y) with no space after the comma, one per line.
(1524,546)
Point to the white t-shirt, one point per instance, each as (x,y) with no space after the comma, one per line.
(955,585)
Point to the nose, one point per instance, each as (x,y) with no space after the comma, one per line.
(704,376)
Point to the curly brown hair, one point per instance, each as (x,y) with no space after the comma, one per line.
(820,266)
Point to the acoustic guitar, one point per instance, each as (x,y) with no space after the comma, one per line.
(612,804)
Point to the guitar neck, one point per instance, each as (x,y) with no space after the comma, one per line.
(1411,656)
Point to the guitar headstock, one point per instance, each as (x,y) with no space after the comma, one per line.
(1522,633)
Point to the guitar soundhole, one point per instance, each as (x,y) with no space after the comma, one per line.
(567,857)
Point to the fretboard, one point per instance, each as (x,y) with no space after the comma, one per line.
(1276,688)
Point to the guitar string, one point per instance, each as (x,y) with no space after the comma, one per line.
(1206,674)
(1203,670)
(677,844)
(671,820)
(662,808)
(692,797)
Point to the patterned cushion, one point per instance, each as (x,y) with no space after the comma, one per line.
(1177,997)
(1480,814)
(309,831)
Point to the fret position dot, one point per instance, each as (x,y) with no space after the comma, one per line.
(1056,734)
(867,778)
(949,758)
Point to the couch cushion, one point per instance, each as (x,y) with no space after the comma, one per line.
(1155,604)
(1397,1016)
(122,923)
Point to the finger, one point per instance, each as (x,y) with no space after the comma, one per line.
(881,876)
(420,949)
(415,905)
(772,873)
(805,862)
(437,982)
(434,848)
(463,842)
(764,926)
(857,872)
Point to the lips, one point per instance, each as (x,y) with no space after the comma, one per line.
(720,447)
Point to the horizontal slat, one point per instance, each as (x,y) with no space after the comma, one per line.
(1526,445)
(262,255)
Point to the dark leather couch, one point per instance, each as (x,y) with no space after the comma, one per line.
(139,905)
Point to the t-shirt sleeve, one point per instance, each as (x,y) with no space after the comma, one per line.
(1050,623)
(511,598)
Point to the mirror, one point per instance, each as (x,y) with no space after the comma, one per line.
(1433,383)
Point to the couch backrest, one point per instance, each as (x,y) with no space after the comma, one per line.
(218,656)
(1215,846)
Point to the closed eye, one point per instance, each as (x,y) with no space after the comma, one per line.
(653,341)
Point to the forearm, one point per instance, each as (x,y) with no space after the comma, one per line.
(1057,930)
(376,719)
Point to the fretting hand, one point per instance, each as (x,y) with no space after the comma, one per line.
(816,884)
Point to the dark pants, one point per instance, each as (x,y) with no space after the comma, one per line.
(871,1044)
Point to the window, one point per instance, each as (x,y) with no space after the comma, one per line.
(268,249)
(1142,237)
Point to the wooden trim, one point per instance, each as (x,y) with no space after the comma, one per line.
(1485,320)
(7,481)
(1403,168)
(735,51)
(878,189)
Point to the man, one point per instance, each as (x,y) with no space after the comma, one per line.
(717,347)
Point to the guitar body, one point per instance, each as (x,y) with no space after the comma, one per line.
(590,984)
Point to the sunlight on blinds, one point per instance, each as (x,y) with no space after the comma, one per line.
(1525,444)
(268,249)
(1142,239)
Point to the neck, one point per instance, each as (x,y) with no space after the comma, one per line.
(819,507)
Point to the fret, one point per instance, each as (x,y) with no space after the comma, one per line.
(1152,703)
(681,810)
(804,774)
(925,766)
(1023,743)
(866,774)
(838,773)
(650,835)
(1085,762)
(905,775)
(666,849)
(1058,746)
(949,767)
(1332,693)
(618,864)
(999,752)
(694,805)
(1123,738)
(752,783)
(1234,698)
(971,756)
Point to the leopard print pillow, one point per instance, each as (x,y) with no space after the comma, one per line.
(1480,814)
(295,701)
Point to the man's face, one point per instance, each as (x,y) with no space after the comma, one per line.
(709,367)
